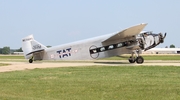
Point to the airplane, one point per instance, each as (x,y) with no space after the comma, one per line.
(128,41)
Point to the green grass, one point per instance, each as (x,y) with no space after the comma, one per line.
(11,57)
(92,83)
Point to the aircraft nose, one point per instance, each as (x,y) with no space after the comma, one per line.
(158,38)
(161,37)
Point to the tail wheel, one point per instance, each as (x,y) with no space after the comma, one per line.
(139,60)
(30,60)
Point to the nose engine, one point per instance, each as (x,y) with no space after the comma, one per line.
(146,40)
(152,40)
(161,37)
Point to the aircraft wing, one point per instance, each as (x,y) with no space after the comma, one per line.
(129,32)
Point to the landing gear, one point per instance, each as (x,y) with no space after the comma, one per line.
(132,59)
(31,60)
(138,59)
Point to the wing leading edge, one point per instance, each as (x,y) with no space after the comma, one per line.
(129,32)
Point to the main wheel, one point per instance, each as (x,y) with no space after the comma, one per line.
(139,60)
(132,60)
(30,60)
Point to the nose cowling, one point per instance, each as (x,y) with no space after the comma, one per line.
(158,38)
(161,37)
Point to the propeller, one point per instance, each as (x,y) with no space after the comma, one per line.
(162,37)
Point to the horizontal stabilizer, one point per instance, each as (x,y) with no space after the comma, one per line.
(38,51)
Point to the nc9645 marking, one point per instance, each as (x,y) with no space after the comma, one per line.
(38,46)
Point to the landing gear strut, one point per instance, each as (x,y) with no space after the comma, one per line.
(31,60)
(138,59)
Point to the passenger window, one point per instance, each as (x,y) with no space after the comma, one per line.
(119,45)
(94,51)
(102,49)
(111,47)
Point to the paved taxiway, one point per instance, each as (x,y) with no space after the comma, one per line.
(15,66)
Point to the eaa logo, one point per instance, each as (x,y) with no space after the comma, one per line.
(64,53)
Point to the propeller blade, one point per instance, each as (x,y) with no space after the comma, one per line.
(164,35)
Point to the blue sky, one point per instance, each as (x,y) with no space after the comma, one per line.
(55,22)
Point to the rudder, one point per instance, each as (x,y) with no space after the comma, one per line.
(29,46)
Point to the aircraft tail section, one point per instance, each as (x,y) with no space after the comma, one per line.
(31,47)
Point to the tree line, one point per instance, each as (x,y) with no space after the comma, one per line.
(7,50)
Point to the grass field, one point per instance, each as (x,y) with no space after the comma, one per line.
(92,83)
(11,57)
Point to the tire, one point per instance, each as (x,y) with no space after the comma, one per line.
(139,60)
(131,60)
(30,61)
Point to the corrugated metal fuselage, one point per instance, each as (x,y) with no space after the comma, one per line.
(82,50)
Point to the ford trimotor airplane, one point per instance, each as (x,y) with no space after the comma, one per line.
(128,41)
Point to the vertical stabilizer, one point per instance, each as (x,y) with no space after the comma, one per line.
(29,46)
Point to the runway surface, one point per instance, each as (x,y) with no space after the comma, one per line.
(17,66)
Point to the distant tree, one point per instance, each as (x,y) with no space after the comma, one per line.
(0,50)
(6,50)
(172,46)
(166,47)
(48,46)
(19,50)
